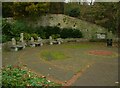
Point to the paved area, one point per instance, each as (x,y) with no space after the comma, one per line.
(103,72)
(99,74)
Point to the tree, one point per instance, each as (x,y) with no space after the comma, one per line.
(104,14)
(25,9)
(56,7)
(6,9)
(75,12)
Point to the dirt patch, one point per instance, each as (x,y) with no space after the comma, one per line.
(100,52)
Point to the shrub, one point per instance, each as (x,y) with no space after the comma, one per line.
(34,35)
(18,27)
(5,38)
(6,28)
(27,36)
(55,36)
(14,30)
(77,34)
(14,76)
(65,33)
(71,33)
(75,12)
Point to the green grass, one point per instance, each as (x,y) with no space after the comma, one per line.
(52,55)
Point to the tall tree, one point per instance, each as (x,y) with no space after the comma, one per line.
(57,7)
(6,9)
(25,9)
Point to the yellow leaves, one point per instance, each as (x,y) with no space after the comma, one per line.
(31,8)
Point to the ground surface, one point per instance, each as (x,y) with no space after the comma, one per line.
(70,64)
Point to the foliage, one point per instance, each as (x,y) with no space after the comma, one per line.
(6,9)
(77,34)
(18,27)
(51,30)
(56,7)
(6,28)
(72,7)
(74,12)
(70,33)
(27,36)
(55,36)
(24,9)
(14,29)
(34,35)
(4,38)
(6,31)
(101,13)
(57,32)
(14,76)
(10,30)
(40,31)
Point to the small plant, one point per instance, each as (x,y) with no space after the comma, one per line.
(14,76)
(55,36)
(34,35)
(27,36)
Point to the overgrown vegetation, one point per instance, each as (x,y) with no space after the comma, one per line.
(10,30)
(101,13)
(24,9)
(105,14)
(74,12)
(14,76)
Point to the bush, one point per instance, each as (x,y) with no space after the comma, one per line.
(66,33)
(77,34)
(71,33)
(18,27)
(75,12)
(14,76)
(35,36)
(6,28)
(55,36)
(14,30)
(27,36)
(5,38)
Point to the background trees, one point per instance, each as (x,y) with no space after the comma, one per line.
(105,14)
(24,9)
(101,13)
(56,8)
